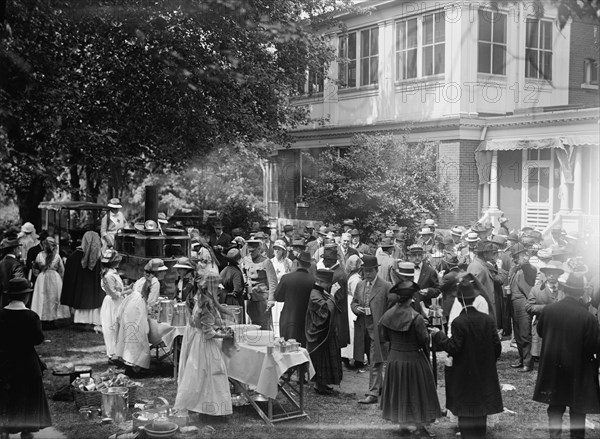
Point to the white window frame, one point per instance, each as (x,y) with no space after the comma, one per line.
(368,58)
(420,45)
(346,65)
(590,66)
(359,59)
(540,74)
(493,44)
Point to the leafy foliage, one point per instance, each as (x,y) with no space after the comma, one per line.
(379,180)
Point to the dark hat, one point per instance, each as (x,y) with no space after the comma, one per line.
(513,237)
(485,246)
(406,288)
(218,225)
(479,228)
(255,227)
(324,275)
(498,240)
(449,283)
(448,240)
(9,242)
(370,261)
(415,248)
(465,288)
(288,228)
(535,234)
(234,255)
(237,232)
(304,259)
(553,266)
(18,285)
(354,232)
(260,235)
(517,248)
(386,243)
(573,285)
(406,269)
(298,242)
(330,252)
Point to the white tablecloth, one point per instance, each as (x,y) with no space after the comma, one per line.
(252,366)
(169,333)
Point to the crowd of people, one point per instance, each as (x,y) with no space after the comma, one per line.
(383,306)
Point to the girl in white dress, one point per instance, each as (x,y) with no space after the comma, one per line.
(48,285)
(282,265)
(353,270)
(112,285)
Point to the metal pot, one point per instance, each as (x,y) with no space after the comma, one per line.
(115,403)
(180,318)
(167,310)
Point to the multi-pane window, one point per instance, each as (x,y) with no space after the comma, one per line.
(369,56)
(421,46)
(492,42)
(538,49)
(406,49)
(316,82)
(347,65)
(590,72)
(434,46)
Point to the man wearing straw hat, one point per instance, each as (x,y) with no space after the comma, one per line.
(568,371)
(467,254)
(426,239)
(114,220)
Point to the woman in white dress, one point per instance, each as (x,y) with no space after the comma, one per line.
(133,346)
(282,265)
(203,385)
(112,285)
(353,270)
(49,268)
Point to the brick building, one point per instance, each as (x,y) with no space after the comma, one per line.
(509,99)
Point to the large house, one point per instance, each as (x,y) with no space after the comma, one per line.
(509,99)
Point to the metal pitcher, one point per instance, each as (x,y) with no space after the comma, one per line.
(167,309)
(237,311)
(114,403)
(180,318)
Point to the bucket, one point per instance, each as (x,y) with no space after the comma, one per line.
(115,403)
(237,311)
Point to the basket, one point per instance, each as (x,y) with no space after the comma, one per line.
(94,397)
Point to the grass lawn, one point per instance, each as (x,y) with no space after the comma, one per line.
(330,417)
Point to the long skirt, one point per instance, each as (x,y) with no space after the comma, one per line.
(108,316)
(88,316)
(327,362)
(409,394)
(132,345)
(46,297)
(23,405)
(203,385)
(348,351)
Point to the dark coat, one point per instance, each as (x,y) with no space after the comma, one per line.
(224,241)
(232,280)
(31,255)
(474,347)
(341,300)
(428,279)
(568,373)
(294,291)
(320,319)
(81,286)
(10,268)
(378,302)
(22,395)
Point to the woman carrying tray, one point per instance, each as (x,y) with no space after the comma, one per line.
(203,385)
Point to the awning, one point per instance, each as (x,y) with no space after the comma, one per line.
(565,151)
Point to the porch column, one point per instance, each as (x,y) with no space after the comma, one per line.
(494,181)
(563,193)
(578,182)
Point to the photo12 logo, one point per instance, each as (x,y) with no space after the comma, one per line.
(454,92)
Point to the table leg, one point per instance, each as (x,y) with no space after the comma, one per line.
(253,403)
(176,351)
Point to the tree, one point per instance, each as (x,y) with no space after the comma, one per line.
(97,94)
(379,180)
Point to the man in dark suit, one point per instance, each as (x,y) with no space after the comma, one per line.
(10,265)
(294,291)
(344,249)
(313,247)
(568,374)
(220,241)
(474,347)
(369,303)
(331,262)
(425,276)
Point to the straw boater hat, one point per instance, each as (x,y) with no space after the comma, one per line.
(288,228)
(386,243)
(430,223)
(406,269)
(389,233)
(415,248)
(348,222)
(426,231)
(155,265)
(280,244)
(185,263)
(111,257)
(114,203)
(322,231)
(456,231)
(472,237)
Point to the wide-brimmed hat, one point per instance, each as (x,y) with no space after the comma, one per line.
(109,257)
(304,259)
(502,220)
(449,283)
(513,237)
(18,285)
(456,231)
(280,244)
(234,255)
(479,228)
(465,288)
(553,266)
(386,243)
(237,232)
(322,230)
(526,229)
(517,248)
(155,265)
(217,225)
(405,289)
(406,269)
(253,242)
(324,275)
(426,231)
(288,228)
(185,263)
(260,235)
(354,232)
(330,252)
(298,242)
(114,203)
(370,261)
(430,223)
(573,285)
(415,248)
(255,227)
(28,228)
(499,240)
(485,246)
(535,234)
(11,240)
(472,237)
